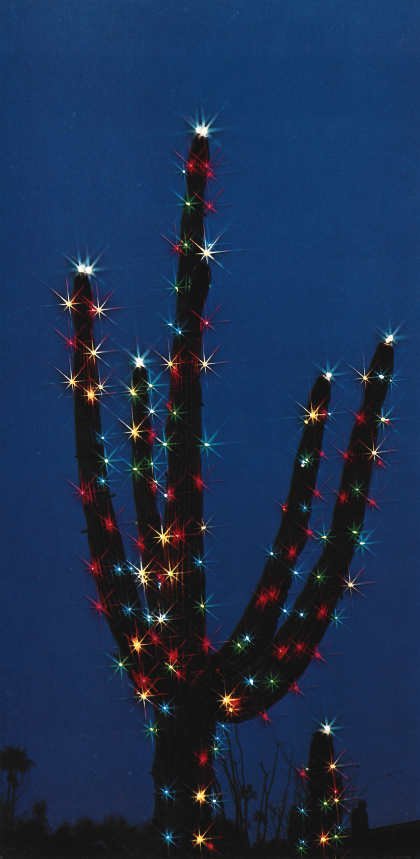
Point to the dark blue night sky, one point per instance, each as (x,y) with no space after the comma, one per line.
(317,109)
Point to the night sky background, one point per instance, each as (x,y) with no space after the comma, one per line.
(317,109)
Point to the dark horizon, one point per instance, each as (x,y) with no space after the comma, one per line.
(316,116)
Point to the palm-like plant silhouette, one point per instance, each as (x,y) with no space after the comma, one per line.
(157,611)
(15,763)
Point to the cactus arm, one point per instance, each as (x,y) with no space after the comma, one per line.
(326,581)
(148,518)
(296,642)
(118,596)
(260,618)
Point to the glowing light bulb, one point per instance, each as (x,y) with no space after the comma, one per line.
(200,796)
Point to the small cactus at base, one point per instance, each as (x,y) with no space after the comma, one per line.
(315,827)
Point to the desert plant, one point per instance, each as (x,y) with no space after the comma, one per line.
(156,608)
(15,762)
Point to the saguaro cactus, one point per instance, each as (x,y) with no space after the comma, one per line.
(157,610)
(315,825)
(324,811)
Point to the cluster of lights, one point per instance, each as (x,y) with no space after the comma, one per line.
(306,460)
